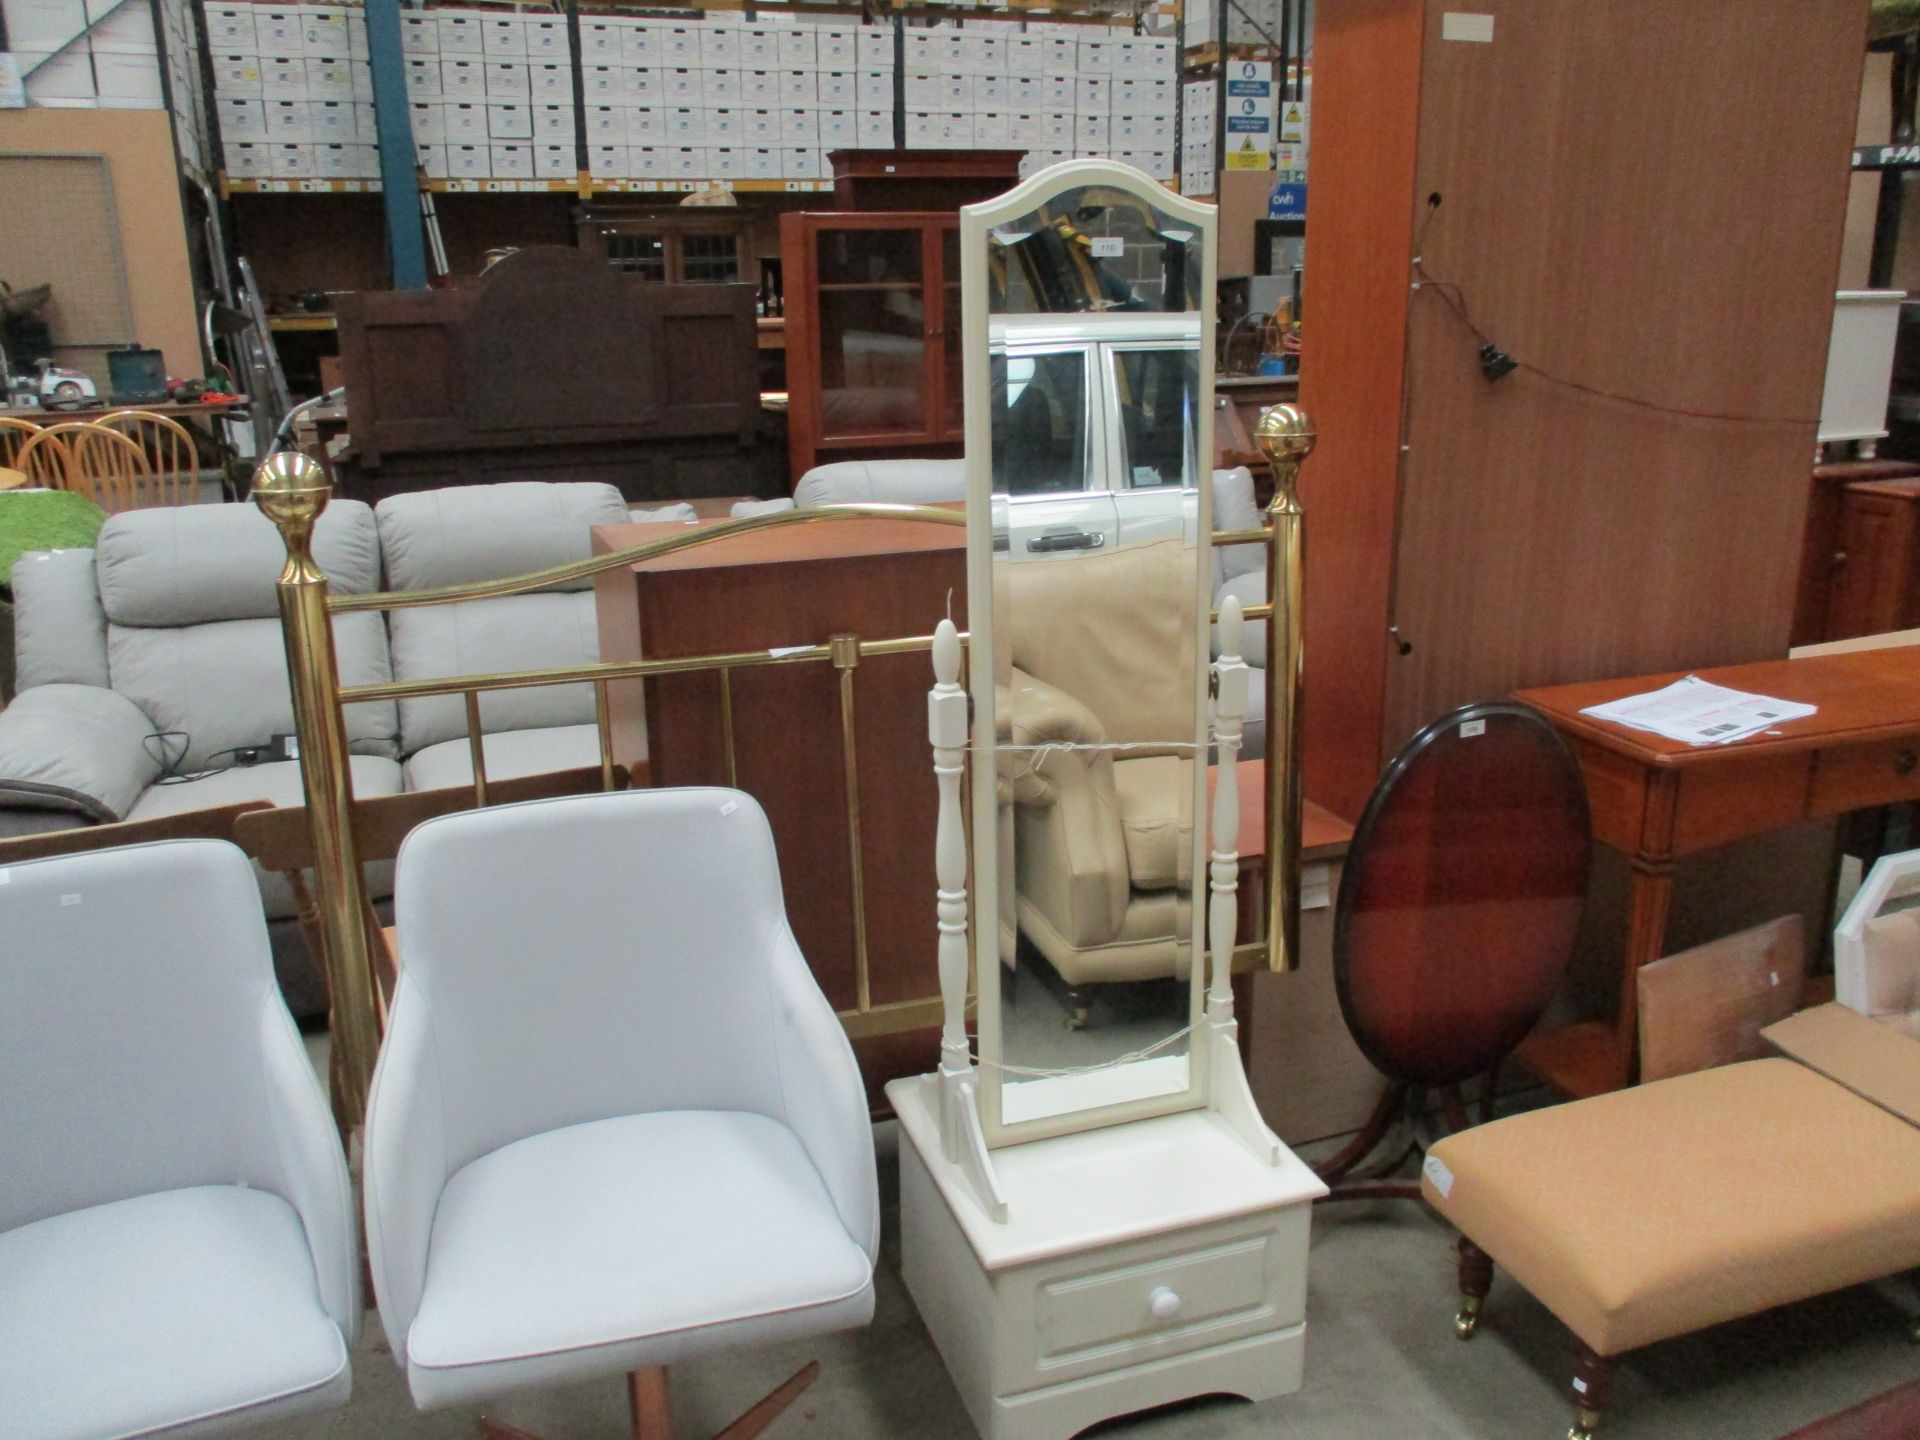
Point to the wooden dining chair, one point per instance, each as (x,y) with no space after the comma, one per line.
(170,450)
(100,463)
(45,458)
(14,433)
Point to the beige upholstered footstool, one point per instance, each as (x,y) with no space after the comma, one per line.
(1661,1210)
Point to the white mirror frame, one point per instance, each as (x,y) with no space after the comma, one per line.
(976,221)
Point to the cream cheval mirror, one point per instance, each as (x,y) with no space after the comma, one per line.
(1096,1219)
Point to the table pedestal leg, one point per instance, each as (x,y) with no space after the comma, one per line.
(1648,898)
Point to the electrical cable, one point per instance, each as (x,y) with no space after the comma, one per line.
(170,771)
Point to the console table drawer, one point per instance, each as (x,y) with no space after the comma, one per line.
(1856,776)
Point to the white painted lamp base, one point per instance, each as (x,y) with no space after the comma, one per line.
(1138,1265)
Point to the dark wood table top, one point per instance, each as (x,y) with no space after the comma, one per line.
(42,416)
(1865,695)
(1323,835)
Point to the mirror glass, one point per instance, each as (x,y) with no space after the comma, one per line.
(1094,393)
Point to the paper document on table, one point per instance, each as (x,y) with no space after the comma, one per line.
(1698,712)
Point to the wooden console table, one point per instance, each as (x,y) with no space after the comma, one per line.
(1655,800)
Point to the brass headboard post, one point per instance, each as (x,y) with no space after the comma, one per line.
(292,490)
(1285,437)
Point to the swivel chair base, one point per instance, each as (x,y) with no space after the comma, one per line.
(648,1400)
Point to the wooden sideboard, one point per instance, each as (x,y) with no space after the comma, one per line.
(797,736)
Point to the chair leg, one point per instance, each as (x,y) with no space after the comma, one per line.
(1385,1114)
(1079,1006)
(1476,1279)
(765,1411)
(650,1402)
(1592,1385)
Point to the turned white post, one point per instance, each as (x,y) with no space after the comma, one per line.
(1229,705)
(947,733)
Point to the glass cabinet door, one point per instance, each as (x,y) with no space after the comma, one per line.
(873,332)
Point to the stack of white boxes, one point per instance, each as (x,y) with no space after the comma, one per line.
(491,95)
(85,53)
(720,99)
(293,91)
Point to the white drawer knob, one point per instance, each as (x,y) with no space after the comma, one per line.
(1163,1303)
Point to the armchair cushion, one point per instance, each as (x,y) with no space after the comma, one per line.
(640,1240)
(59,629)
(208,1291)
(468,533)
(905,482)
(1234,508)
(1156,817)
(74,747)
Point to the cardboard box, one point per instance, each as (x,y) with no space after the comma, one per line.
(760,127)
(420,35)
(991,92)
(799,127)
(686,162)
(247,160)
(646,125)
(991,130)
(649,162)
(283,78)
(607,124)
(724,162)
(956,53)
(1056,129)
(423,79)
(797,88)
(553,123)
(759,49)
(762,163)
(922,89)
(724,125)
(362,72)
(290,162)
(643,43)
(720,87)
(836,47)
(839,129)
(336,162)
(873,47)
(469,162)
(873,89)
(678,45)
(128,82)
(126,31)
(281,32)
(230,29)
(1023,130)
(550,82)
(554,162)
(237,75)
(682,83)
(686,127)
(240,119)
(462,35)
(1026,55)
(607,162)
(875,129)
(329,78)
(719,49)
(988,54)
(509,80)
(288,120)
(760,87)
(801,164)
(1090,134)
(465,123)
(366,127)
(326,29)
(606,84)
(509,122)
(334,122)
(837,87)
(433,159)
(512,162)
(429,121)
(798,50)
(547,41)
(463,79)
(1093,96)
(1870,1057)
(602,43)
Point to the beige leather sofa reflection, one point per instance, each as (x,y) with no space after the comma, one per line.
(1102,838)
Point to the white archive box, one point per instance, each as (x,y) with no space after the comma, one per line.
(1062,55)
(955,93)
(921,88)
(554,162)
(423,79)
(329,78)
(760,127)
(836,47)
(686,162)
(432,157)
(923,130)
(876,129)
(420,35)
(600,41)
(429,119)
(719,49)
(1026,55)
(991,130)
(723,125)
(759,48)
(282,31)
(925,50)
(1059,92)
(1026,92)
(1094,57)
(509,122)
(548,80)
(956,132)
(283,77)
(366,127)
(643,42)
(128,82)
(504,37)
(678,44)
(509,80)
(605,84)
(326,29)
(462,34)
(469,162)
(362,79)
(798,50)
(724,162)
(760,87)
(956,52)
(1157,130)
(647,162)
(720,87)
(553,122)
(236,75)
(247,160)
(1093,95)
(1023,130)
(836,87)
(334,122)
(347,161)
(241,118)
(797,88)
(991,92)
(988,54)
(1090,133)
(511,162)
(127,30)
(1056,129)
(547,40)
(607,162)
(681,84)
(646,125)
(230,30)
(289,120)
(606,124)
(801,163)
(686,125)
(799,127)
(463,79)
(873,87)
(465,123)
(290,162)
(763,163)
(874,46)
(839,129)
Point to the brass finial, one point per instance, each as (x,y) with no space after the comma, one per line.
(291,490)
(1285,436)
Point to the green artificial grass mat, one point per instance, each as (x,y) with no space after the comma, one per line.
(44,520)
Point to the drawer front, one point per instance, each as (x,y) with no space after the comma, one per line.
(1856,776)
(1124,1305)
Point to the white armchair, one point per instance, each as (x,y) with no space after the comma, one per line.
(615,1124)
(178,1253)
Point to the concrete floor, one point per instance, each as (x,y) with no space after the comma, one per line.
(1382,1364)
